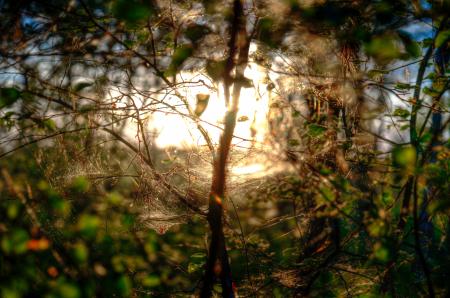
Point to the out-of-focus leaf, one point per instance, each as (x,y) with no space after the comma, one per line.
(404,156)
(404,127)
(431,76)
(124,285)
(202,103)
(68,290)
(133,11)
(198,255)
(242,118)
(381,252)
(376,228)
(7,292)
(59,205)
(430,91)
(80,184)
(13,209)
(327,193)
(80,252)
(151,281)
(15,242)
(386,198)
(426,137)
(128,219)
(115,198)
(399,112)
(441,38)
(265,28)
(88,224)
(196,32)
(82,85)
(383,48)
(411,46)
(296,114)
(196,262)
(49,124)
(181,54)
(293,142)
(315,130)
(376,74)
(403,86)
(8,96)
(215,69)
(245,82)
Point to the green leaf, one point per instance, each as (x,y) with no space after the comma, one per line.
(430,91)
(316,130)
(198,255)
(404,127)
(413,49)
(327,193)
(381,252)
(404,156)
(215,69)
(60,206)
(124,285)
(128,219)
(68,290)
(15,242)
(193,267)
(49,124)
(401,113)
(386,198)
(133,11)
(441,38)
(431,76)
(376,73)
(80,184)
(151,281)
(180,55)
(411,46)
(8,96)
(425,138)
(268,33)
(80,252)
(403,86)
(82,85)
(10,293)
(13,209)
(427,42)
(382,48)
(196,262)
(129,43)
(196,32)
(114,198)
(88,224)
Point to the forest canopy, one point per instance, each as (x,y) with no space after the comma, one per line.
(234,148)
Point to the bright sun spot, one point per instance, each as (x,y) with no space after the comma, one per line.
(172,127)
(179,131)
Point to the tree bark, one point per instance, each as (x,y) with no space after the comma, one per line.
(217,265)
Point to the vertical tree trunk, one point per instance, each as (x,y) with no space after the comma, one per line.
(217,265)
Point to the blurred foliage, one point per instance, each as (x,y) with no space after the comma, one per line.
(344,218)
(82,243)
